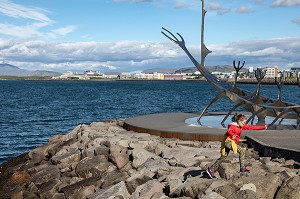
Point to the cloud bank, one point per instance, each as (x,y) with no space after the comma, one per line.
(139,55)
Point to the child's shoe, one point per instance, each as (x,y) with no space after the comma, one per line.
(244,170)
(211,173)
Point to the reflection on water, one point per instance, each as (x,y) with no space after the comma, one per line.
(214,121)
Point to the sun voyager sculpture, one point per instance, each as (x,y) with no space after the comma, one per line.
(259,106)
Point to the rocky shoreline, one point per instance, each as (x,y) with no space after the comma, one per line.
(104,161)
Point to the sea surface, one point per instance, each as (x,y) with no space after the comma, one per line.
(33,111)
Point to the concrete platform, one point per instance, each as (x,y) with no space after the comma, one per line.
(274,143)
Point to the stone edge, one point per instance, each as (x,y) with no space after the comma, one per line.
(271,151)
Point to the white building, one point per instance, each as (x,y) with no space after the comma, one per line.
(271,72)
(251,69)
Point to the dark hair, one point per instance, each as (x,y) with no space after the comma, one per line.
(234,118)
(238,117)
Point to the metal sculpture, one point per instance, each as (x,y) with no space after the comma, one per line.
(258,105)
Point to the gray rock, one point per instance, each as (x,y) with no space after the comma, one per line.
(140,156)
(249,186)
(266,185)
(113,177)
(84,186)
(70,156)
(32,188)
(287,174)
(48,189)
(227,190)
(215,184)
(93,167)
(58,196)
(36,157)
(116,191)
(244,194)
(45,175)
(102,150)
(150,190)
(213,195)
(133,183)
(290,189)
(192,187)
(158,165)
(265,160)
(289,163)
(38,168)
(118,155)
(229,171)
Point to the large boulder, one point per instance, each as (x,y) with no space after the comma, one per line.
(67,157)
(244,194)
(118,155)
(133,182)
(229,171)
(266,185)
(226,190)
(152,189)
(290,189)
(116,191)
(92,167)
(140,156)
(45,175)
(192,187)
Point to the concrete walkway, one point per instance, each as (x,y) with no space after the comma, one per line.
(274,143)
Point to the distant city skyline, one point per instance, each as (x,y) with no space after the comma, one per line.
(124,35)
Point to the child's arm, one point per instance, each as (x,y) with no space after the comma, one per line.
(254,127)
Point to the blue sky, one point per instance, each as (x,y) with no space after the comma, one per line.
(124,35)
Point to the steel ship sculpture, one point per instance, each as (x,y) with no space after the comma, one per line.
(259,106)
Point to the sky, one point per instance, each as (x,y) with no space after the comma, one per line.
(125,35)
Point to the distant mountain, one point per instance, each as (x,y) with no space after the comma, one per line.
(44,73)
(160,70)
(186,70)
(10,70)
(223,69)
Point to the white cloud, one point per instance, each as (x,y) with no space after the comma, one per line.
(217,7)
(18,11)
(20,31)
(278,3)
(297,21)
(180,5)
(243,9)
(281,52)
(36,20)
(138,55)
(64,31)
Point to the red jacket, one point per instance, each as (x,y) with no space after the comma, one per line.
(234,130)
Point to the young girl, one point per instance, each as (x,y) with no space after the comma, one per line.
(230,142)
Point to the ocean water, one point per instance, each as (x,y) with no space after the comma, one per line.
(33,111)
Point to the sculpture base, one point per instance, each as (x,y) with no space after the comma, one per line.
(214,121)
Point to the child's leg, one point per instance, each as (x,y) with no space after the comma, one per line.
(241,152)
(217,163)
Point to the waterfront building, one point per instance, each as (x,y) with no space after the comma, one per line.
(271,72)
(111,76)
(174,76)
(158,76)
(295,71)
(91,73)
(251,69)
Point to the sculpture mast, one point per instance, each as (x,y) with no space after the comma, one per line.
(204,50)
